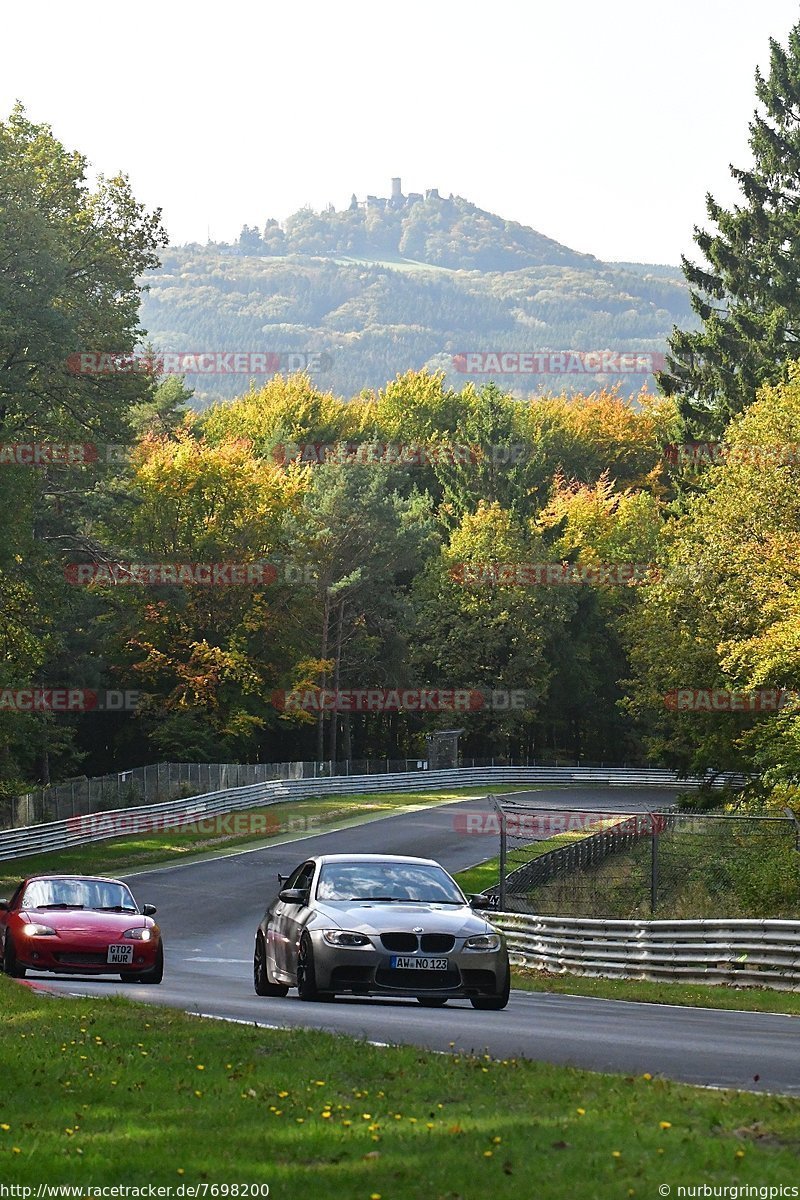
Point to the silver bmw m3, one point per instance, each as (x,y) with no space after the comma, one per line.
(379,925)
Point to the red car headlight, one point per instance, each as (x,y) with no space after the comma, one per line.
(139,935)
(31,929)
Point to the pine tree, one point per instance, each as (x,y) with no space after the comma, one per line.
(747,293)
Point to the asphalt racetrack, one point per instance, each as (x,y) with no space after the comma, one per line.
(209,912)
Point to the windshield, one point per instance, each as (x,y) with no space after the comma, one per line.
(78,893)
(387,883)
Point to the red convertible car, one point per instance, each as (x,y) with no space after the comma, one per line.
(79,925)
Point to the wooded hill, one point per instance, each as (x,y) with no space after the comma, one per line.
(390,286)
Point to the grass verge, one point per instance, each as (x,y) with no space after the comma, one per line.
(288,819)
(105,1092)
(655,992)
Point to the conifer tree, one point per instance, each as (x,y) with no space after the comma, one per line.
(747,292)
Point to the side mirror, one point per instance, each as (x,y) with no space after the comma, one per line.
(3,906)
(149,910)
(293,895)
(480,902)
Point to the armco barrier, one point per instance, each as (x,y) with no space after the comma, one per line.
(58,835)
(746,953)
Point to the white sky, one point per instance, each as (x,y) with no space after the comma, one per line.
(601,123)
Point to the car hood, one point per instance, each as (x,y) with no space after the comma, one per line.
(82,920)
(377,918)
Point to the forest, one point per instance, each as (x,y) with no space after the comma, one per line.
(306,570)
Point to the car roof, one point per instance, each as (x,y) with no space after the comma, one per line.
(374,858)
(75,879)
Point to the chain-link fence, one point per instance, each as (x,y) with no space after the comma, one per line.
(170,781)
(667,864)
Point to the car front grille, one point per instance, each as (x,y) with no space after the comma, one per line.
(408,943)
(83,960)
(425,981)
(437,943)
(400,942)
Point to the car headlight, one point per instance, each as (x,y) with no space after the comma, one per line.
(483,941)
(138,935)
(30,929)
(344,938)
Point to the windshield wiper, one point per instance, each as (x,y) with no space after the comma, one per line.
(43,906)
(386,899)
(116,908)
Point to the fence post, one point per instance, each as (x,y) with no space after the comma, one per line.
(654,870)
(501,897)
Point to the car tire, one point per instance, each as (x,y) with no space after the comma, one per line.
(262,983)
(432,1001)
(494,1003)
(306,974)
(155,974)
(10,964)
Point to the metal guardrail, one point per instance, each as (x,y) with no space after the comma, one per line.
(81,830)
(746,953)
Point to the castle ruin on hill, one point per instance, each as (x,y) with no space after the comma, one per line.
(396,200)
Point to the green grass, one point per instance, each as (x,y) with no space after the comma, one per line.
(105,1092)
(296,818)
(698,995)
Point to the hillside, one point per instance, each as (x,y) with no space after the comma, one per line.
(405,282)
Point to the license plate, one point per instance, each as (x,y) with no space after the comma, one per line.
(419,964)
(120,956)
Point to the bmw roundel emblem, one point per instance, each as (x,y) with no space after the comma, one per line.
(417,929)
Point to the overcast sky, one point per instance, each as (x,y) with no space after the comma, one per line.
(601,124)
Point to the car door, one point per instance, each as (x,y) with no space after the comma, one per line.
(296,915)
(280,930)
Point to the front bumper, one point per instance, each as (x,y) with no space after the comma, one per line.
(83,955)
(369,972)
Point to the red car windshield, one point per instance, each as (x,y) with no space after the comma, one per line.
(96,894)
